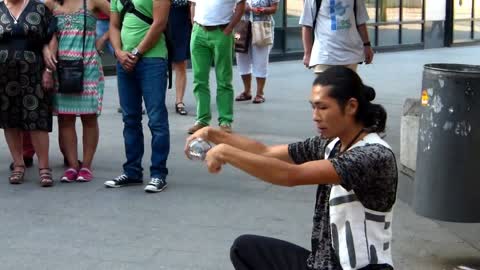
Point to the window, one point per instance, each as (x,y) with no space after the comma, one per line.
(294,11)
(388,10)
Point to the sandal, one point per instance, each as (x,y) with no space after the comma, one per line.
(16,177)
(243,97)
(46,179)
(180,108)
(259,99)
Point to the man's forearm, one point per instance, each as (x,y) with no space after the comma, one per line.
(192,12)
(218,137)
(362,30)
(237,16)
(152,36)
(114,36)
(161,9)
(279,172)
(307,39)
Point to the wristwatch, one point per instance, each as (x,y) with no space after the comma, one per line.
(137,53)
(367,44)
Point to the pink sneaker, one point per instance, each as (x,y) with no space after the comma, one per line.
(84,175)
(69,176)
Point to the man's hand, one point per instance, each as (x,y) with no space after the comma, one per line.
(214,158)
(368,51)
(47,79)
(228,30)
(127,60)
(49,58)
(202,133)
(306,60)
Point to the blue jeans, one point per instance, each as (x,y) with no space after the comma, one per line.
(148,81)
(102,27)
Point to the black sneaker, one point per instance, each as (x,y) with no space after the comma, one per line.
(122,180)
(156,185)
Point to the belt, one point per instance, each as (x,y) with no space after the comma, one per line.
(212,27)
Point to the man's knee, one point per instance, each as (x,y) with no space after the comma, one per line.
(242,243)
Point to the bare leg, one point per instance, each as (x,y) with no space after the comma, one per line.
(40,141)
(14,139)
(247,83)
(68,139)
(180,80)
(91,134)
(260,86)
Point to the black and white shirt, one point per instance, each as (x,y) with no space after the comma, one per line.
(369,172)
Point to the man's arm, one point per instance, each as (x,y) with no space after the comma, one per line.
(126,59)
(237,16)
(192,11)
(114,32)
(161,9)
(272,170)
(367,47)
(246,144)
(307,44)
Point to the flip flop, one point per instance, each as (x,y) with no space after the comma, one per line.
(243,97)
(259,99)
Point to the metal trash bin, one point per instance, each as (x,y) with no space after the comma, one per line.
(447,177)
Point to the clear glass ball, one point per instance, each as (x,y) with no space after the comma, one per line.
(198,148)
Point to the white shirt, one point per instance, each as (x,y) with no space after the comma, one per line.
(214,12)
(337,41)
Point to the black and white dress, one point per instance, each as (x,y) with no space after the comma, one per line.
(24,104)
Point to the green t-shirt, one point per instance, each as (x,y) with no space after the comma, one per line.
(135,29)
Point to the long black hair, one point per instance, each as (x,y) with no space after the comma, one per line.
(345,84)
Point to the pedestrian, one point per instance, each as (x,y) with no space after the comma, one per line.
(255,61)
(340,34)
(25,81)
(212,42)
(76,27)
(353,167)
(180,29)
(141,51)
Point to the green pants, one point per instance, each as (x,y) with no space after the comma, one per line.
(209,47)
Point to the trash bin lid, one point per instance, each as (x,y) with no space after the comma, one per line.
(456,68)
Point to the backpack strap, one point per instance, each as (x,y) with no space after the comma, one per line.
(129,7)
(318,4)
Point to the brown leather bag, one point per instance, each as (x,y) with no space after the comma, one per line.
(243,36)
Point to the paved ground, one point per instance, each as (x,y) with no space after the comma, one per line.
(192,224)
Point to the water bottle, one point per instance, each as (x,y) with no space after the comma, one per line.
(198,148)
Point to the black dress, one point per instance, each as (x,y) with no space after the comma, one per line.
(24,104)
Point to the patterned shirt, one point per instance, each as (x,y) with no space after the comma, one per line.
(370,170)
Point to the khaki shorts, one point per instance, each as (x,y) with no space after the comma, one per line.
(322,68)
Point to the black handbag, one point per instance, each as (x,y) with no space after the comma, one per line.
(70,72)
(243,36)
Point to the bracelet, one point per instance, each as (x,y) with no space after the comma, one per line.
(367,44)
(48,70)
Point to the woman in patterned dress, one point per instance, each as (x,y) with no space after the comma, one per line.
(88,104)
(353,168)
(25,103)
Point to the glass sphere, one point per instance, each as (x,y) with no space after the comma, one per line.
(198,148)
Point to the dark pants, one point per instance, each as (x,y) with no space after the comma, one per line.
(148,81)
(251,252)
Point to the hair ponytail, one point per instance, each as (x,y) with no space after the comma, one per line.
(346,84)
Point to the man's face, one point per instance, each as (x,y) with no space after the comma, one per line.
(331,120)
